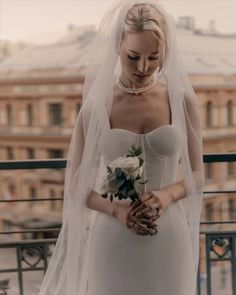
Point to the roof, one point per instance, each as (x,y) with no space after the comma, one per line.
(202,54)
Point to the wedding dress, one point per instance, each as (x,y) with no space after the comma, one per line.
(124,263)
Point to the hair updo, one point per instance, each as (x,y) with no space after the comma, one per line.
(146,17)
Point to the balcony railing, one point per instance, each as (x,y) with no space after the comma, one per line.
(34,255)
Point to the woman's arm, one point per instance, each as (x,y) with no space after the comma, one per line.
(96,202)
(177,190)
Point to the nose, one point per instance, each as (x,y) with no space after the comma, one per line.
(142,66)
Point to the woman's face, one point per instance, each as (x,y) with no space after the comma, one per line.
(139,57)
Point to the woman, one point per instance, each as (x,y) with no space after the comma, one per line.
(136,92)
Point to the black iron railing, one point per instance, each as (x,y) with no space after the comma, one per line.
(34,255)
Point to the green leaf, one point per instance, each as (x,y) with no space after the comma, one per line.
(139,151)
(141,161)
(131,193)
(109,169)
(144,182)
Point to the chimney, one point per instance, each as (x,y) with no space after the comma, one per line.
(187,22)
(70,27)
(212,26)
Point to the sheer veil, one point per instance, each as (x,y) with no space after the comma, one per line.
(67,273)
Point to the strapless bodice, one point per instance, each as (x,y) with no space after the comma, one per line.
(161,152)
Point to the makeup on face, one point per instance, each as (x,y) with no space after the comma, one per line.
(139,58)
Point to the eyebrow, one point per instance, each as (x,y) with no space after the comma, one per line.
(139,53)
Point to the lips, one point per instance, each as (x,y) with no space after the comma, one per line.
(141,76)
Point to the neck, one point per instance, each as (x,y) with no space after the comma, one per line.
(127,82)
(136,91)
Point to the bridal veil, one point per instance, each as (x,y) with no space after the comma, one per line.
(68,268)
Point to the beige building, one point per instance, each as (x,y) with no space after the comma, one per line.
(40,96)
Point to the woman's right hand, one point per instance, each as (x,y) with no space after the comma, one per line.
(140,226)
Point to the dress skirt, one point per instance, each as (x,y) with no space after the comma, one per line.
(124,263)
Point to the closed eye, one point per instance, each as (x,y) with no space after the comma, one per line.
(133,57)
(137,57)
(153,57)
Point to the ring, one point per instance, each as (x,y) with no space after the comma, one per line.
(130,224)
(157,210)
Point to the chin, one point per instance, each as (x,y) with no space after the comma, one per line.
(142,80)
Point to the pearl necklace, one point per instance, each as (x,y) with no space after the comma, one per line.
(136,91)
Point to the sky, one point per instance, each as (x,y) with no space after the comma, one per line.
(42,21)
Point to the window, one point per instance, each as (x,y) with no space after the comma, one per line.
(232,209)
(209,110)
(230,113)
(55,153)
(209,170)
(55,114)
(33,195)
(10,155)
(230,168)
(30,153)
(9,115)
(30,114)
(52,196)
(209,211)
(12,191)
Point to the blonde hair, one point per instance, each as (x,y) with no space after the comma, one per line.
(143,17)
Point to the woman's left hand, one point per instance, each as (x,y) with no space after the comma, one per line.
(153,201)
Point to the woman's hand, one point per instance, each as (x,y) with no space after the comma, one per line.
(153,204)
(140,226)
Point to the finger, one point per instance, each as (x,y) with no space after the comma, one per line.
(154,219)
(142,212)
(139,230)
(148,222)
(146,196)
(151,202)
(140,207)
(136,204)
(145,226)
(150,231)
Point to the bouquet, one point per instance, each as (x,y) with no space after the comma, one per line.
(123,177)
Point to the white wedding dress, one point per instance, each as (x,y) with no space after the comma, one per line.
(124,263)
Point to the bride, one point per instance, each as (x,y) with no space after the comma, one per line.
(136,93)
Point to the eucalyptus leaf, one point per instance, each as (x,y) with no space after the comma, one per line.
(141,161)
(109,170)
(104,195)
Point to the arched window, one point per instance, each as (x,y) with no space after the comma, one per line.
(9,115)
(230,113)
(52,196)
(209,109)
(30,114)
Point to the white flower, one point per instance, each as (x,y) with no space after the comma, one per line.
(130,165)
(109,184)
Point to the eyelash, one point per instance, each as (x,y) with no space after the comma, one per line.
(137,57)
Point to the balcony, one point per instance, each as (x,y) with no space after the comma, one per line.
(25,260)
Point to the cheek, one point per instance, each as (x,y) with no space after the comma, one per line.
(154,65)
(127,64)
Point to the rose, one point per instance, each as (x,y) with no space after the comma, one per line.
(130,165)
(109,184)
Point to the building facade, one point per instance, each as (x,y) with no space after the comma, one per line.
(40,97)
